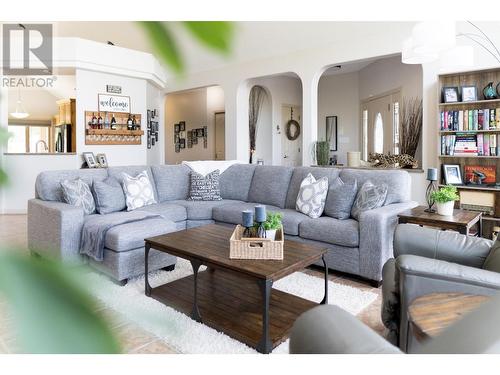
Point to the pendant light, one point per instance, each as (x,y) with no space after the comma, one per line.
(19,113)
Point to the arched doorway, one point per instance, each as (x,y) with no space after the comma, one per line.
(195,125)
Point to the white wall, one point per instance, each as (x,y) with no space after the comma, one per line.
(389,74)
(88,85)
(338,95)
(197,109)
(154,100)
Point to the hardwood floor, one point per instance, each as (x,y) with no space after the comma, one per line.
(13,229)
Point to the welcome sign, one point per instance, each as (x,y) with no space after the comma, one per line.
(114,103)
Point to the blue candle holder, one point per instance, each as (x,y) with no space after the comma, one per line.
(247,221)
(260,218)
(260,213)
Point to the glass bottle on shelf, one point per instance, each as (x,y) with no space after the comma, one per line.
(134,123)
(106,121)
(129,122)
(113,122)
(99,121)
(94,121)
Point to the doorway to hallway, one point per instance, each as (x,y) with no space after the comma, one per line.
(291,135)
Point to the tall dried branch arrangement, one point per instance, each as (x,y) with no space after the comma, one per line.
(257,94)
(410,126)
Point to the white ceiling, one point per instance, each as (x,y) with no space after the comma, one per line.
(253,40)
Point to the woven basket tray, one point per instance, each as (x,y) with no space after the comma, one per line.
(255,248)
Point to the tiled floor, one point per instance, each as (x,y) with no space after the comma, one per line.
(132,338)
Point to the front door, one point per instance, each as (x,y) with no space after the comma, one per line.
(291,153)
(220,135)
(380,125)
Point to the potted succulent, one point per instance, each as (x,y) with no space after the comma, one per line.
(445,200)
(272,224)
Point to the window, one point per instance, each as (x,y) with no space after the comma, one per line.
(28,138)
(365,137)
(395,119)
(378,135)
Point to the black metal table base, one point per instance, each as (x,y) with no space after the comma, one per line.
(265,345)
(325,298)
(195,313)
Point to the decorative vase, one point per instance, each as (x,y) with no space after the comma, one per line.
(353,158)
(489,92)
(271,234)
(445,209)
(498,89)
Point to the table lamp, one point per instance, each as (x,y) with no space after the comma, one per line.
(431,188)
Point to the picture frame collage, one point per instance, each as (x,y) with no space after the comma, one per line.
(152,128)
(188,138)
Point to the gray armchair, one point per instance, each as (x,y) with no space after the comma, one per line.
(430,261)
(328,329)
(425,261)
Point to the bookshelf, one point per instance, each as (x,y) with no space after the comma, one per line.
(472,192)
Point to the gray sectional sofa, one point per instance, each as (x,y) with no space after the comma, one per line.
(356,247)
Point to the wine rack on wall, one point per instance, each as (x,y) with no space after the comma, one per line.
(102,135)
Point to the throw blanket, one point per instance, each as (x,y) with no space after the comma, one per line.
(96,226)
(205,167)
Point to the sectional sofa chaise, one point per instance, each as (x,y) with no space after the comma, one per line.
(356,247)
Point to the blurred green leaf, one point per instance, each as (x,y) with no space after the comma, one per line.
(53,314)
(3,177)
(4,136)
(161,39)
(216,35)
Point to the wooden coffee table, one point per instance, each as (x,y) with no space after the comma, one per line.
(461,221)
(234,296)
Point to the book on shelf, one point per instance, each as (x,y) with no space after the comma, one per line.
(466,144)
(470,119)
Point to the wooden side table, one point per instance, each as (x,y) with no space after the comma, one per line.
(429,315)
(461,221)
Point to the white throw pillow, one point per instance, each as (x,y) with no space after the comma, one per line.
(138,191)
(312,196)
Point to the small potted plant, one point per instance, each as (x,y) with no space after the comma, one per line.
(272,224)
(445,200)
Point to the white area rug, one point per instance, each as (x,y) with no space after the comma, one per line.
(187,336)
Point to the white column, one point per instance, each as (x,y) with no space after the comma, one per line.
(309,115)
(237,136)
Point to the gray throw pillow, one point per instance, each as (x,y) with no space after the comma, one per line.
(138,191)
(492,262)
(109,196)
(369,196)
(205,188)
(340,198)
(77,193)
(312,196)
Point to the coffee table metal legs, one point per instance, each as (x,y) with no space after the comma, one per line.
(195,313)
(325,298)
(265,345)
(147,287)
